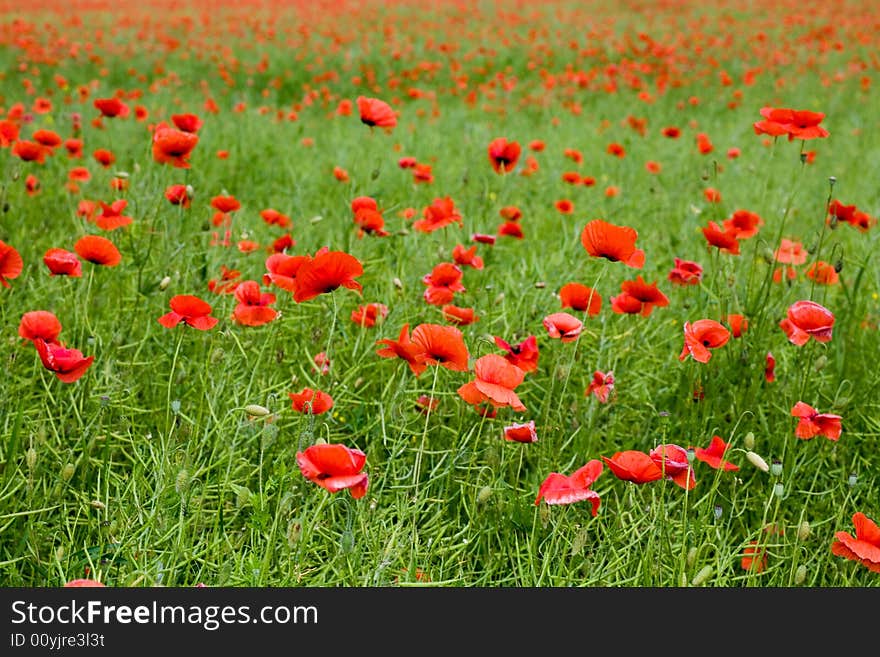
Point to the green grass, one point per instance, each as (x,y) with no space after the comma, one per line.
(148,471)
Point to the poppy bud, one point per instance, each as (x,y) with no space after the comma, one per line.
(256,410)
(749,441)
(768,256)
(821,362)
(67,472)
(499,298)
(757,461)
(832,180)
(31,458)
(800,574)
(190,191)
(702,576)
(540,285)
(97,504)
(838,266)
(397,283)
(165,282)
(484,494)
(803,158)
(59,553)
(803,532)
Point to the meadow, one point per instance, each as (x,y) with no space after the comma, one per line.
(439,294)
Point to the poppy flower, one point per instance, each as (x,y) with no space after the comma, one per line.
(701,336)
(253,305)
(178,195)
(172,146)
(375,112)
(439,214)
(340,174)
(725,240)
(422,174)
(615,149)
(524,355)
(281,244)
(62,263)
(737,323)
(104,157)
(325,272)
(754,558)
(823,273)
(746,224)
(313,402)
(82,583)
(864,547)
(225,203)
(797,124)
(48,138)
(503,154)
(812,423)
(412,352)
(564,326)
(186,122)
(368,314)
(67,364)
(511,229)
(227,282)
(685,272)
(634,466)
(32,185)
(566,489)
(704,144)
(616,243)
(790,252)
(510,213)
(443,282)
(638,297)
(770,368)
(273,217)
(30,151)
(426,404)
(8,133)
(459,316)
(602,385)
(111,107)
(111,216)
(190,310)
(564,206)
(322,363)
(406,162)
(79,174)
(521,433)
(673,461)
(282,270)
(74,148)
(98,250)
(578,296)
(713,455)
(335,467)
(11,264)
(807,319)
(39,325)
(467,257)
(442,345)
(483,238)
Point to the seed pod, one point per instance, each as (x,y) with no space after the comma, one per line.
(803,532)
(702,576)
(256,410)
(800,574)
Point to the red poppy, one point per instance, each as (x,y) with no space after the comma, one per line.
(83,583)
(745,223)
(48,138)
(521,433)
(864,547)
(443,282)
(172,146)
(483,238)
(511,229)
(11,264)
(602,385)
(273,217)
(104,157)
(790,252)
(281,244)
(616,243)
(375,112)
(30,151)
(309,401)
(797,124)
(574,155)
(225,203)
(32,185)
(770,368)
(322,363)
(685,272)
(67,364)
(503,155)
(459,316)
(62,263)
(537,145)
(671,132)
(823,273)
(467,257)
(564,206)
(79,174)
(439,214)
(74,148)
(325,272)
(111,216)
(738,324)
(510,213)
(580,297)
(426,404)
(253,305)
(407,162)
(725,240)
(178,195)
(615,149)
(713,455)
(335,468)
(565,489)
(789,272)
(524,355)
(186,122)
(812,423)
(638,297)
(39,325)
(227,282)
(190,310)
(422,173)
(413,353)
(807,319)
(700,337)
(563,326)
(368,314)
(634,466)
(340,174)
(111,107)
(98,250)
(8,133)
(282,270)
(754,558)
(673,461)
(442,345)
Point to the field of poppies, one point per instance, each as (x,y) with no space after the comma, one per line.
(386,293)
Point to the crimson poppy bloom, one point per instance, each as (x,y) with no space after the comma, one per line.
(368,314)
(564,326)
(616,243)
(495,382)
(30,151)
(602,385)
(39,325)
(580,297)
(564,205)
(864,547)
(98,250)
(11,264)
(190,310)
(74,148)
(370,222)
(524,355)
(823,273)
(442,345)
(178,195)
(770,368)
(375,112)
(634,466)
(510,213)
(725,240)
(754,558)
(335,467)
(325,272)
(685,272)
(48,138)
(467,257)
(413,353)
(310,401)
(673,461)
(8,133)
(225,203)
(439,214)
(111,107)
(282,269)
(273,217)
(322,363)
(701,336)
(459,316)
(172,146)
(812,423)
(797,124)
(746,224)
(790,252)
(738,324)
(566,489)
(67,364)
(503,154)
(253,308)
(443,282)
(186,122)
(807,319)
(104,157)
(713,455)
(82,583)
(511,229)
(111,216)
(521,433)
(62,262)
(638,297)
